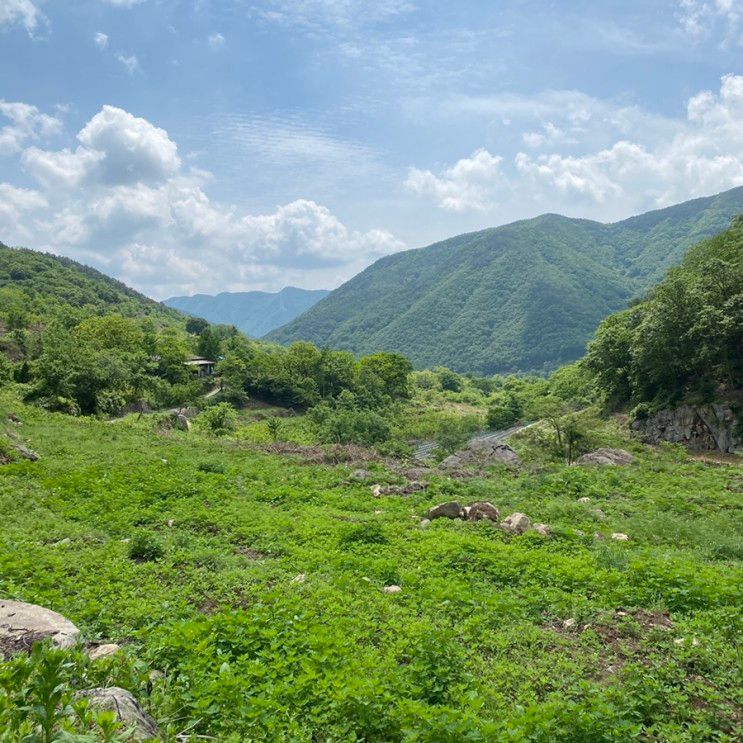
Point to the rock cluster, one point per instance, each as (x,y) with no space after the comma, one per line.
(516,523)
(615,457)
(483,452)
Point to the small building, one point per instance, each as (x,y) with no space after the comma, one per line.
(201,367)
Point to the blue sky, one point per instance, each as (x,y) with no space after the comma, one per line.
(210,145)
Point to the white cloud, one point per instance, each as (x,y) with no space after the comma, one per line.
(216,41)
(652,167)
(701,18)
(23,13)
(101,40)
(122,200)
(130,62)
(342,14)
(123,3)
(26,122)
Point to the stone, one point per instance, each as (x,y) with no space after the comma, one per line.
(516,523)
(22,624)
(376,490)
(597,513)
(26,453)
(620,537)
(480,510)
(104,651)
(392,589)
(425,523)
(182,423)
(361,475)
(13,418)
(612,457)
(568,623)
(61,542)
(126,708)
(300,578)
(584,499)
(699,428)
(450,510)
(170,523)
(543,529)
(483,452)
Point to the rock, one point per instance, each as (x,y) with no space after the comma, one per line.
(598,536)
(568,623)
(450,510)
(482,452)
(26,453)
(597,513)
(620,537)
(13,418)
(361,475)
(616,457)
(516,523)
(376,490)
(411,487)
(425,523)
(300,578)
(700,428)
(542,529)
(22,624)
(480,510)
(61,542)
(182,423)
(584,499)
(392,589)
(126,708)
(415,473)
(170,523)
(104,651)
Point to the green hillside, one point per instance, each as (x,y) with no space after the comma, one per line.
(39,284)
(524,296)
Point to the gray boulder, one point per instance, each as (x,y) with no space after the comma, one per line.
(612,457)
(516,523)
(182,423)
(482,453)
(22,624)
(127,710)
(482,510)
(26,453)
(450,510)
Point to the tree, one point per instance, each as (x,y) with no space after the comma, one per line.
(209,346)
(196,325)
(383,376)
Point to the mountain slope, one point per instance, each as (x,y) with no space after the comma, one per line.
(37,282)
(255,313)
(523,296)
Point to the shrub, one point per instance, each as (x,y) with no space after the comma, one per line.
(349,425)
(500,417)
(218,419)
(145,547)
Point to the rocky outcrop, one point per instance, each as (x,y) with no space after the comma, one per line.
(484,453)
(516,523)
(616,457)
(451,510)
(697,427)
(23,624)
(482,510)
(127,710)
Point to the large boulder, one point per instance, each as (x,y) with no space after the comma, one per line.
(22,624)
(127,710)
(516,523)
(615,457)
(450,510)
(182,423)
(482,510)
(482,452)
(700,428)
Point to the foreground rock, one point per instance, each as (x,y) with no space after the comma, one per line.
(701,428)
(482,510)
(182,423)
(451,510)
(23,624)
(127,710)
(615,457)
(482,453)
(104,651)
(516,523)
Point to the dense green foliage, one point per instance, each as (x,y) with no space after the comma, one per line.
(525,296)
(253,582)
(254,313)
(686,338)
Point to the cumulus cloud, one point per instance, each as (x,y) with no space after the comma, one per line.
(700,19)
(696,156)
(216,41)
(123,3)
(22,13)
(26,122)
(101,40)
(122,200)
(338,14)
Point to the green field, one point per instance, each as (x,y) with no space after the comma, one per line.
(264,605)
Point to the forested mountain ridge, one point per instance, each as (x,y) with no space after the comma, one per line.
(524,296)
(255,313)
(35,282)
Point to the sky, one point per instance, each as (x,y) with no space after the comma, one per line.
(189,146)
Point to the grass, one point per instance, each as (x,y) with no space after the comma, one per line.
(262,601)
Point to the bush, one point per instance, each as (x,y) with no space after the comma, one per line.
(500,417)
(218,419)
(453,432)
(145,547)
(349,425)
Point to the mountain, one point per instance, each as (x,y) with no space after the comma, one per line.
(524,296)
(255,313)
(38,283)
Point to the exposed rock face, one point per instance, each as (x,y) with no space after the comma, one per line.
(451,510)
(182,423)
(701,428)
(483,453)
(617,457)
(22,624)
(127,710)
(482,510)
